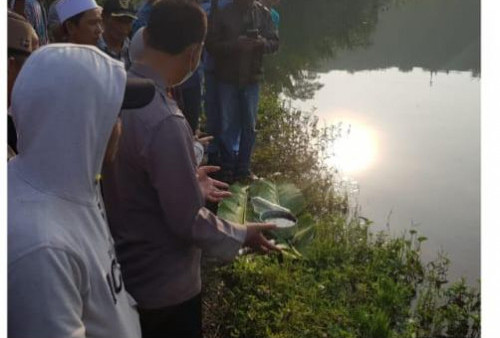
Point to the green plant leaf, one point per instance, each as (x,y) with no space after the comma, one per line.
(266,190)
(286,195)
(291,197)
(235,208)
(304,237)
(247,202)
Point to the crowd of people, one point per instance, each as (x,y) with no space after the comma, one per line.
(106,182)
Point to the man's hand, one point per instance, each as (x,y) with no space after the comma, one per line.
(256,240)
(212,190)
(203,138)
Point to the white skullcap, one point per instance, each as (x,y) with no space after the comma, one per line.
(68,8)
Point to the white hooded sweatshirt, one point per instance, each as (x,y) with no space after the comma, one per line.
(63,277)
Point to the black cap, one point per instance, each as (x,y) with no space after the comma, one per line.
(119,8)
(138,93)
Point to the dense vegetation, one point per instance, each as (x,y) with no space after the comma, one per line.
(335,278)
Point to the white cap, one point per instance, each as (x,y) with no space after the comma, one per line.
(68,8)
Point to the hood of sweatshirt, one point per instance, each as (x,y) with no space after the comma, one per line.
(65,103)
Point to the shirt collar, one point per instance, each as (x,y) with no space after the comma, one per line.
(101,43)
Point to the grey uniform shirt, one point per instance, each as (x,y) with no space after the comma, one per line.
(155,206)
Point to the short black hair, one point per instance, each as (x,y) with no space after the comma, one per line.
(75,19)
(174,25)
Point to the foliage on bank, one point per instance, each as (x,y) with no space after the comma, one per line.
(343,281)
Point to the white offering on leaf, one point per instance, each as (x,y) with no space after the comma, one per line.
(281,222)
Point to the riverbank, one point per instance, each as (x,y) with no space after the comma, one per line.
(346,282)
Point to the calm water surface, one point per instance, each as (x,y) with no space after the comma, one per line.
(407,90)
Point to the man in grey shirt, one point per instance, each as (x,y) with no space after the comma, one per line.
(154,193)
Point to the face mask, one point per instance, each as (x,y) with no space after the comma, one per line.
(190,73)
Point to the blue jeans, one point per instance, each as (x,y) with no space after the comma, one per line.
(214,120)
(239,114)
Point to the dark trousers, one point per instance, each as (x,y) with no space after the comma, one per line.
(212,112)
(177,321)
(191,104)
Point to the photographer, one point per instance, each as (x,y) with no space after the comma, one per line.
(239,36)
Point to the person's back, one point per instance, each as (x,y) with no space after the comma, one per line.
(159,263)
(152,190)
(64,279)
(63,276)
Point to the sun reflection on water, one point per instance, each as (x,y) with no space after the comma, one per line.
(355,150)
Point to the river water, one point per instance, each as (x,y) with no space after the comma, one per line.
(403,77)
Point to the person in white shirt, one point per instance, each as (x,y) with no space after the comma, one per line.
(63,276)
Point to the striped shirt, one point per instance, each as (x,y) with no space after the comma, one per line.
(36,15)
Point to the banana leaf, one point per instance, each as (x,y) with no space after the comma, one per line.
(261,205)
(269,195)
(247,202)
(286,195)
(305,233)
(236,207)
(291,197)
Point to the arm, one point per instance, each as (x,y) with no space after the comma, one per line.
(45,290)
(249,235)
(212,190)
(172,171)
